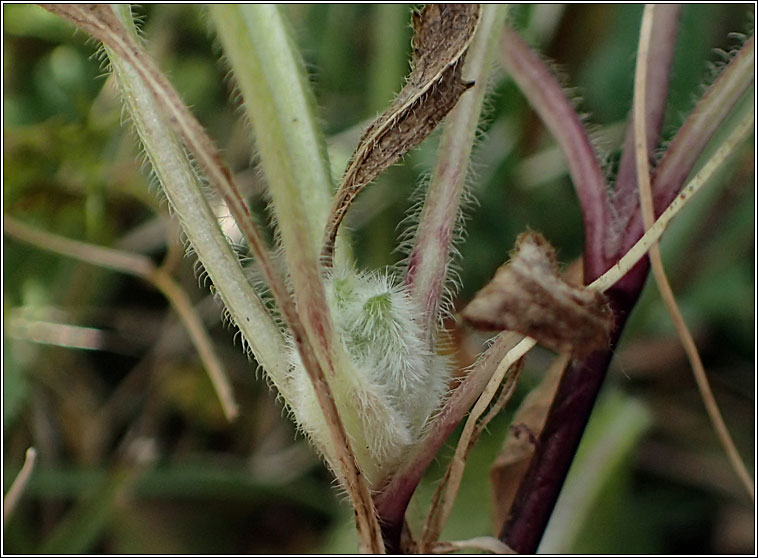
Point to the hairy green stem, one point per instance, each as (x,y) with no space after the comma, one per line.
(293,156)
(183,188)
(279,102)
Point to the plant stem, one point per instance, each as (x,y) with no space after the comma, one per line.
(565,424)
(160,109)
(447,489)
(648,217)
(692,138)
(12,498)
(293,156)
(429,259)
(392,501)
(141,266)
(622,292)
(625,197)
(581,382)
(279,102)
(547,98)
(621,270)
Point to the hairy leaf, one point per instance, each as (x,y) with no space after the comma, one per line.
(441,36)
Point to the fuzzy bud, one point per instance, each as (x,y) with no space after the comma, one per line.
(398,383)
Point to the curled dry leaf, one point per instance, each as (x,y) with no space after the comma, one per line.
(528,295)
(441,36)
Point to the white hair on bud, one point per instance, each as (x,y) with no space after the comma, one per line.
(399,383)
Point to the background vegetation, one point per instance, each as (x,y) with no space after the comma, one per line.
(134,452)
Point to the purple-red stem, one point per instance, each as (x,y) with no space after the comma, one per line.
(582,379)
(548,99)
(563,430)
(393,500)
(692,138)
(581,382)
(429,260)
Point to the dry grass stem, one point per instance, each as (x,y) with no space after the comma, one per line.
(440,511)
(13,497)
(140,266)
(656,262)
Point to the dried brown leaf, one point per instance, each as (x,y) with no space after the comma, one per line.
(528,295)
(441,36)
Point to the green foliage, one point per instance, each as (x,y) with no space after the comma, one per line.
(69,168)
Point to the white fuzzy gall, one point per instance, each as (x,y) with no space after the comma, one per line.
(398,383)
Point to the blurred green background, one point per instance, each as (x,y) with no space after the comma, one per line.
(135,455)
